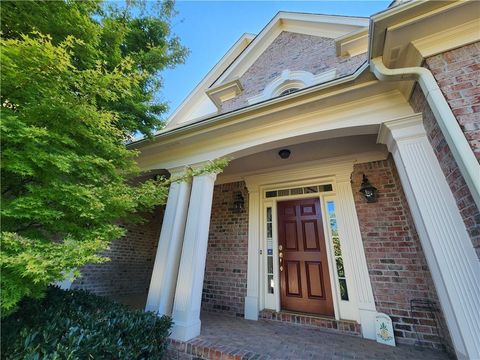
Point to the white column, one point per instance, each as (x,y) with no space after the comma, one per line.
(448,249)
(188,295)
(253,271)
(167,260)
(354,254)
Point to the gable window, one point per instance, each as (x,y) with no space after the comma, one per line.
(289,91)
(290,81)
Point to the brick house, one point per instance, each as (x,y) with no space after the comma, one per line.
(307,111)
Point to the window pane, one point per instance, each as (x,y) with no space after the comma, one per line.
(310,189)
(327,187)
(270,284)
(270,264)
(269,214)
(340,270)
(270,194)
(285,192)
(269,230)
(337,250)
(296,191)
(336,246)
(343,289)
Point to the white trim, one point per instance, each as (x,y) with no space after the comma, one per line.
(347,309)
(224,92)
(349,230)
(463,154)
(242,136)
(199,91)
(312,24)
(448,39)
(273,302)
(332,172)
(291,79)
(447,246)
(252,298)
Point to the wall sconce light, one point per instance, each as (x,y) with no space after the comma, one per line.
(368,191)
(284,153)
(238,203)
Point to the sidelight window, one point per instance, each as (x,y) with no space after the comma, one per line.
(269,223)
(337,250)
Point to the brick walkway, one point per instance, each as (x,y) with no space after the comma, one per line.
(225,337)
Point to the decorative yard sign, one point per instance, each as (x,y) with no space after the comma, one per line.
(384,329)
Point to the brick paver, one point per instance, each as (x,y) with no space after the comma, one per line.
(224,337)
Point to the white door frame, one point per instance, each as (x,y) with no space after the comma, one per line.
(312,173)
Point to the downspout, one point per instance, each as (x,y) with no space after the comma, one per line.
(463,154)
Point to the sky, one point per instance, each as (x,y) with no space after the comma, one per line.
(210,28)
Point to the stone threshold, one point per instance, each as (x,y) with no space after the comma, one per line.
(202,349)
(347,327)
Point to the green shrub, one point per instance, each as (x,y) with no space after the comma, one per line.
(79,325)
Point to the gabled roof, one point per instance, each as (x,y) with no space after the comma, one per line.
(248,48)
(196,95)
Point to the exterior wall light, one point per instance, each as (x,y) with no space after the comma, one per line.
(238,203)
(284,153)
(368,191)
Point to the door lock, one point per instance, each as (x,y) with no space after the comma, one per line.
(281,268)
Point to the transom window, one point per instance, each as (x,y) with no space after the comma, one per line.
(298,191)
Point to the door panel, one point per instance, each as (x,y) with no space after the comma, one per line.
(291,235)
(310,235)
(292,269)
(315,280)
(304,276)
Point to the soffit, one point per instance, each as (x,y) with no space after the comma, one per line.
(404,35)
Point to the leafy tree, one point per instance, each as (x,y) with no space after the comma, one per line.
(78,77)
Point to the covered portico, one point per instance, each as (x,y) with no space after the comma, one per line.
(345,124)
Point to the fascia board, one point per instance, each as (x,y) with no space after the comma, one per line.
(381,21)
(193,126)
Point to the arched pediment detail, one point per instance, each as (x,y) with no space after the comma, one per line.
(288,79)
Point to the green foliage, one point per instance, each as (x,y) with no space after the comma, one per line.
(78,78)
(80,325)
(109,33)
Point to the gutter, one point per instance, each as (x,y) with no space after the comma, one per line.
(463,154)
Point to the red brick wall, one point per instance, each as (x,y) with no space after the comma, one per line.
(458,75)
(225,282)
(468,209)
(292,51)
(396,263)
(131,265)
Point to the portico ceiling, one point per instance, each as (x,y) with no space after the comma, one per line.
(341,147)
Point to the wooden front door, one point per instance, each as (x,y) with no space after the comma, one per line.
(304,275)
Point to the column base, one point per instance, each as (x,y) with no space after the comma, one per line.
(367,320)
(185,332)
(251,307)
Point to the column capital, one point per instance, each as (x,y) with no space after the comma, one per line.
(344,174)
(406,128)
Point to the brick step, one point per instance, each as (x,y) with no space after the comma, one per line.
(348,327)
(197,349)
